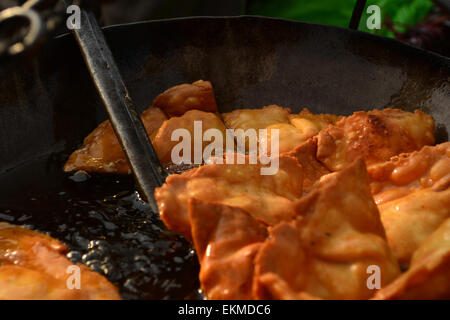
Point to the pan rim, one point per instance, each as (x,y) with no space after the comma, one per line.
(381,40)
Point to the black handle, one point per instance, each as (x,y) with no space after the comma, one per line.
(443,4)
(127,125)
(357,14)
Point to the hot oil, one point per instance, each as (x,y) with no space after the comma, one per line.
(105,225)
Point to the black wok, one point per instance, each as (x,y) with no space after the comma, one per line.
(48,104)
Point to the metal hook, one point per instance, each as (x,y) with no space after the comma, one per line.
(40,18)
(36,28)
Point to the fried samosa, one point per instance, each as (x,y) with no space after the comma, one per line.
(429,274)
(326,252)
(375,136)
(409,172)
(246,124)
(34,266)
(256,118)
(410,220)
(269,198)
(178,100)
(162,139)
(313,170)
(101,151)
(293,129)
(413,195)
(300,128)
(226,240)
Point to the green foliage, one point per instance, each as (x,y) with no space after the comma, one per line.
(404,13)
(338,12)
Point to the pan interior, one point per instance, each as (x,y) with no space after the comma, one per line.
(48,105)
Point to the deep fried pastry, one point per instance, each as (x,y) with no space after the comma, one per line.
(409,221)
(289,137)
(226,240)
(34,266)
(326,251)
(101,151)
(243,121)
(177,100)
(275,288)
(256,118)
(376,136)
(429,274)
(269,198)
(293,129)
(412,192)
(19,283)
(300,128)
(162,139)
(409,172)
(313,170)
(311,123)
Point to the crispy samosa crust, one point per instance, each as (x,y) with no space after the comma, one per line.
(34,266)
(326,252)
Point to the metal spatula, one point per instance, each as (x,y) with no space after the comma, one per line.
(127,125)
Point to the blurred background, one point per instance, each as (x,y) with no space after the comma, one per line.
(423,23)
